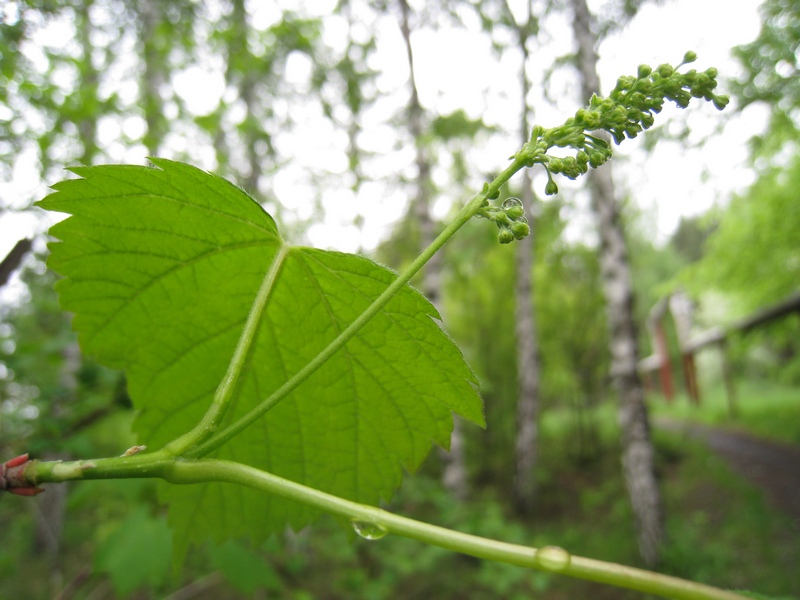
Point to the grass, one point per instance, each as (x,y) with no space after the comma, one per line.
(721,529)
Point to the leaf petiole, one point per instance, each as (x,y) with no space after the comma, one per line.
(222,397)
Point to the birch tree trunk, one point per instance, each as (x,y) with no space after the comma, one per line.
(87,126)
(50,509)
(637,448)
(149,17)
(526,442)
(240,59)
(454,476)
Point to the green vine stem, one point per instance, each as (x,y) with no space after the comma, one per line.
(548,558)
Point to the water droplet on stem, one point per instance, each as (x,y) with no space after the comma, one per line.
(369,531)
(553,558)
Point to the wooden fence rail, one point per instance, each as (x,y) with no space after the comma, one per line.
(679,307)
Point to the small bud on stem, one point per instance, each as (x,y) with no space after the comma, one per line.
(12,477)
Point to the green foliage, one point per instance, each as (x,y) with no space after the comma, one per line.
(163,267)
(755,252)
(138,553)
(772,72)
(691,235)
(50,393)
(243,568)
(456,125)
(255,66)
(754,258)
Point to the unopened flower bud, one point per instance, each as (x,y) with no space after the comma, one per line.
(720,102)
(520,230)
(596,159)
(505,236)
(665,70)
(515,212)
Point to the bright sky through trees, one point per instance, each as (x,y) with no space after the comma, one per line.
(457,69)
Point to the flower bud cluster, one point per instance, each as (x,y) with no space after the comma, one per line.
(628,110)
(630,107)
(509,218)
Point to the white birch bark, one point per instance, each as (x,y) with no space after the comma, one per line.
(526,442)
(637,448)
(149,17)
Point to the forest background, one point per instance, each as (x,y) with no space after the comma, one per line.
(318,115)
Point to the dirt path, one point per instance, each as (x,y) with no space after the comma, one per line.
(770,465)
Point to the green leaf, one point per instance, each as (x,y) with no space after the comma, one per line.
(244,570)
(137,553)
(162,266)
